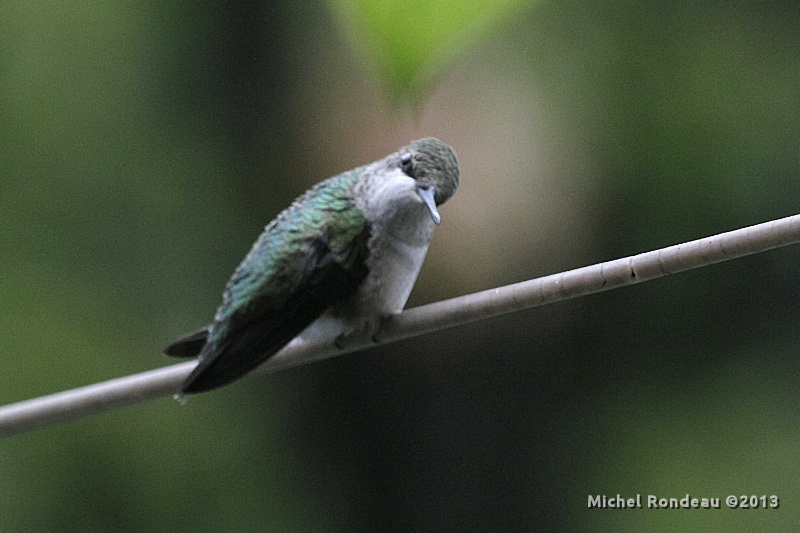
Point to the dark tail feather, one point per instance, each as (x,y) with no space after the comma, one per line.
(188,345)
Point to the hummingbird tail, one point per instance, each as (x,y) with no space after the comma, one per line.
(188,345)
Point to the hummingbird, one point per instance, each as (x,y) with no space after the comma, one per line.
(338,261)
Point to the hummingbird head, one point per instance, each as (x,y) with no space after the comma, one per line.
(434,166)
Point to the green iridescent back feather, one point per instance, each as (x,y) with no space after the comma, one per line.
(274,266)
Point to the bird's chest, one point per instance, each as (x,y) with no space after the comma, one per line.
(394,268)
(397,249)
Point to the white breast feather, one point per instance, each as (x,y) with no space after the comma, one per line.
(402,227)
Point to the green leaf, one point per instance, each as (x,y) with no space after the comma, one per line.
(411,41)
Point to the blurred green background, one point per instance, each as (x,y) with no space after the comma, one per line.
(145,145)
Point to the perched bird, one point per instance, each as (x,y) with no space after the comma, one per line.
(337,261)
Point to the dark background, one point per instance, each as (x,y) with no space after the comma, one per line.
(145,145)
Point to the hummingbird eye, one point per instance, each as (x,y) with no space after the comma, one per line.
(405,164)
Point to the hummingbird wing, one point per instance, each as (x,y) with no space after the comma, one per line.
(310,257)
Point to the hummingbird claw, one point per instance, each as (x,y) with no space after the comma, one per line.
(340,342)
(381,323)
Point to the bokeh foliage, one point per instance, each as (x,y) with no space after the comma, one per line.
(411,42)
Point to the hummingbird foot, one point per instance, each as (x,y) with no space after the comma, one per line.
(381,323)
(351,339)
(341,341)
(368,330)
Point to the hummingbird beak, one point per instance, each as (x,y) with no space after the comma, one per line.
(427,194)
